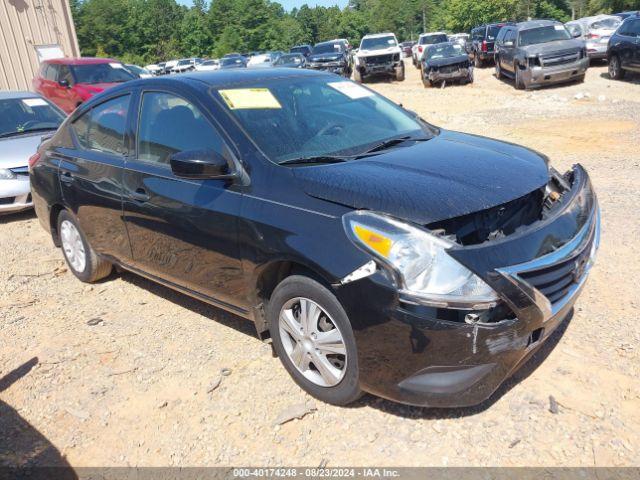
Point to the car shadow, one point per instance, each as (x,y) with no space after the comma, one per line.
(629,77)
(200,307)
(24,451)
(17,217)
(427,413)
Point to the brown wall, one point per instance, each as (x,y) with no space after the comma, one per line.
(25,24)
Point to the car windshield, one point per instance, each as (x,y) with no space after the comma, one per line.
(431,39)
(299,49)
(136,69)
(101,73)
(208,63)
(226,62)
(445,50)
(317,117)
(284,59)
(22,115)
(327,48)
(378,43)
(610,23)
(551,33)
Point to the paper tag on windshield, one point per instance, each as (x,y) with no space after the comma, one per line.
(248,98)
(351,90)
(116,65)
(34,102)
(559,27)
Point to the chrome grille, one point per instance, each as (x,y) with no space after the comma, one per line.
(560,58)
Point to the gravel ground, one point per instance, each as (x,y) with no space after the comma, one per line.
(124,372)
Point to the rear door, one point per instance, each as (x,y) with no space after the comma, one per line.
(625,44)
(182,231)
(91,175)
(634,54)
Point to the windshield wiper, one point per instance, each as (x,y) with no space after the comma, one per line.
(316,159)
(9,134)
(392,142)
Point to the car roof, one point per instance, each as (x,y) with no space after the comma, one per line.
(378,35)
(536,24)
(432,33)
(81,61)
(8,94)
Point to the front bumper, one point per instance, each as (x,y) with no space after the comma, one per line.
(380,68)
(459,74)
(538,76)
(337,68)
(15,195)
(429,356)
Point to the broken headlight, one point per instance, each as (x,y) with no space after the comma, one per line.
(427,272)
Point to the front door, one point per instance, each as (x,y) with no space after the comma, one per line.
(182,231)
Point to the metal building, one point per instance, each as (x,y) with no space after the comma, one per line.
(31,31)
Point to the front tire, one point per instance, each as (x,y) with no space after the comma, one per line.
(499,73)
(313,338)
(615,68)
(81,259)
(519,83)
(399,74)
(426,82)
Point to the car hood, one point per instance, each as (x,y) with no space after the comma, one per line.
(17,150)
(442,62)
(451,175)
(380,51)
(325,57)
(552,47)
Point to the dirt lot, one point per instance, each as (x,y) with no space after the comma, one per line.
(118,373)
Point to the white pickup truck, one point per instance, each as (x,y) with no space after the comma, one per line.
(379,54)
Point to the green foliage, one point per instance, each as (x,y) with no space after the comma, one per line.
(146,31)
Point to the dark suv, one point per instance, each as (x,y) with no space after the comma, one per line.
(623,51)
(540,52)
(332,56)
(482,41)
(380,253)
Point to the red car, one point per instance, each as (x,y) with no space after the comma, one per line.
(68,82)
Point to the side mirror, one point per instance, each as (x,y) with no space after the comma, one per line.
(575,34)
(200,164)
(64,83)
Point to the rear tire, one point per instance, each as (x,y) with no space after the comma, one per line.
(615,68)
(297,339)
(499,73)
(519,83)
(81,259)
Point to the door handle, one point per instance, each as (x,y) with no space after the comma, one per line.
(140,195)
(66,177)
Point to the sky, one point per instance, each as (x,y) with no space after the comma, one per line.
(289,4)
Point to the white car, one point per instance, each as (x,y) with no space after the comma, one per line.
(429,38)
(25,118)
(186,65)
(595,31)
(154,69)
(138,71)
(168,66)
(379,54)
(208,65)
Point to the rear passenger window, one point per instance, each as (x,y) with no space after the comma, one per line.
(102,128)
(169,124)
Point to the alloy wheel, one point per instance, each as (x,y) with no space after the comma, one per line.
(73,246)
(313,342)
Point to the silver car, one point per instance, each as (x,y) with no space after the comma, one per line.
(595,31)
(24,118)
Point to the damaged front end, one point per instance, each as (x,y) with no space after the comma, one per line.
(534,252)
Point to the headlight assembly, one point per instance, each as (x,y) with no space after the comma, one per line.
(428,273)
(6,174)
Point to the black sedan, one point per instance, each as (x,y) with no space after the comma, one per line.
(379,253)
(447,61)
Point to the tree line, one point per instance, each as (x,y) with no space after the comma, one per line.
(148,31)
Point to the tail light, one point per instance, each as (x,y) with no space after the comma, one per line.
(420,48)
(484,46)
(33,159)
(593,35)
